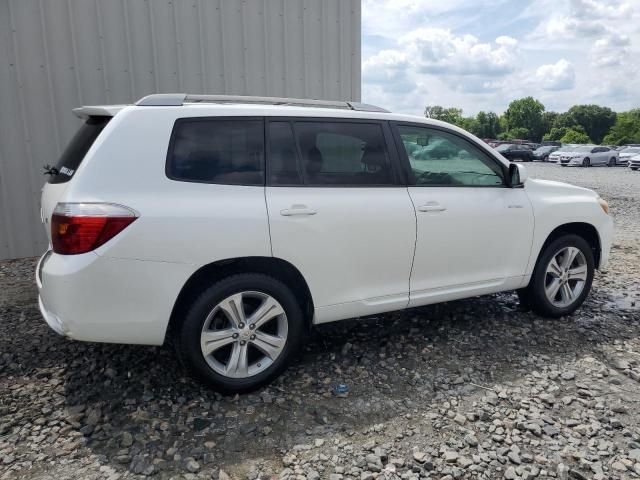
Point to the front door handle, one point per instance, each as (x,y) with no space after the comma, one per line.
(297,210)
(432,207)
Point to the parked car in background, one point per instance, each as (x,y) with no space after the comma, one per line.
(542,153)
(515,152)
(634,162)
(230,226)
(554,157)
(589,155)
(626,153)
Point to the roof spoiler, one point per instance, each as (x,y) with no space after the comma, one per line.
(97,111)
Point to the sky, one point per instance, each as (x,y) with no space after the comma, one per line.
(482,54)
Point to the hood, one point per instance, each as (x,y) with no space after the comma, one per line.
(558,187)
(573,153)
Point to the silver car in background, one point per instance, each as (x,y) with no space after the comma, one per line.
(589,155)
(627,153)
(554,157)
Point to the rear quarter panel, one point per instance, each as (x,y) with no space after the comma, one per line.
(181,222)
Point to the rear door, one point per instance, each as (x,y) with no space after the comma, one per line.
(339,215)
(474,233)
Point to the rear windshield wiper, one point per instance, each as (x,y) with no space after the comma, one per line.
(49,170)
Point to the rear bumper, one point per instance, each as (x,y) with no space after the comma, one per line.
(99,299)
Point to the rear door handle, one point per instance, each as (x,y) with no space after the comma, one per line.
(297,210)
(432,207)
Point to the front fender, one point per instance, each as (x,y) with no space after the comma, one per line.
(556,204)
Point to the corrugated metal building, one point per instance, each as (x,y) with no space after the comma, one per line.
(59,54)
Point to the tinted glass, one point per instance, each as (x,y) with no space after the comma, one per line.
(77,148)
(283,156)
(438,158)
(341,153)
(227,152)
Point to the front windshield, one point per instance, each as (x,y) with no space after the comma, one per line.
(565,148)
(504,147)
(630,150)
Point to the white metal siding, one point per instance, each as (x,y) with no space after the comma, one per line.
(59,54)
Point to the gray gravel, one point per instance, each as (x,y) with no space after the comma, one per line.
(469,389)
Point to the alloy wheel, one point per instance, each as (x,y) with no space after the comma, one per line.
(244,334)
(565,278)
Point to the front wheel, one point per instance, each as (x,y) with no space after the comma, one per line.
(241,332)
(562,277)
(612,162)
(586,162)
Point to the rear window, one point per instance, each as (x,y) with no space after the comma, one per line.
(222,151)
(77,148)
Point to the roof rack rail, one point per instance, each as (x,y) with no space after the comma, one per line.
(178,99)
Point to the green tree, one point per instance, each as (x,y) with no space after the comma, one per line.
(526,113)
(575,136)
(555,134)
(437,112)
(549,120)
(595,120)
(625,130)
(518,133)
(487,125)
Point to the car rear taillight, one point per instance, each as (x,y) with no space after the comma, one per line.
(83,227)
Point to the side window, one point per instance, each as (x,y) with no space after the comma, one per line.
(283,155)
(438,158)
(342,153)
(223,151)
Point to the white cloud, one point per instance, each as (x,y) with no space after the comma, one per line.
(584,18)
(467,54)
(438,51)
(610,51)
(388,68)
(556,76)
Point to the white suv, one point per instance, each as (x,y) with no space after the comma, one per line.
(230,225)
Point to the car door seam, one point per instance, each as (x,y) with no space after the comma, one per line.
(266,206)
(415,244)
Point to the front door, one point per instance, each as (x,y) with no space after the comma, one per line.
(474,233)
(337,213)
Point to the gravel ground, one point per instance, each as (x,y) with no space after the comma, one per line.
(469,389)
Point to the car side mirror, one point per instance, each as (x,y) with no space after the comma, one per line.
(517,175)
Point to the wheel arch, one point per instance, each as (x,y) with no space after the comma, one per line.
(582,229)
(202,278)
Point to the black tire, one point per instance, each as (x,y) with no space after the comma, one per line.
(545,158)
(612,162)
(187,336)
(586,162)
(534,294)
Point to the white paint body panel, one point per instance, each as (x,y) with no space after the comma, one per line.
(356,249)
(479,240)
(356,253)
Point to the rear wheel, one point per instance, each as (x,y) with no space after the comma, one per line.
(241,332)
(586,162)
(561,279)
(612,162)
